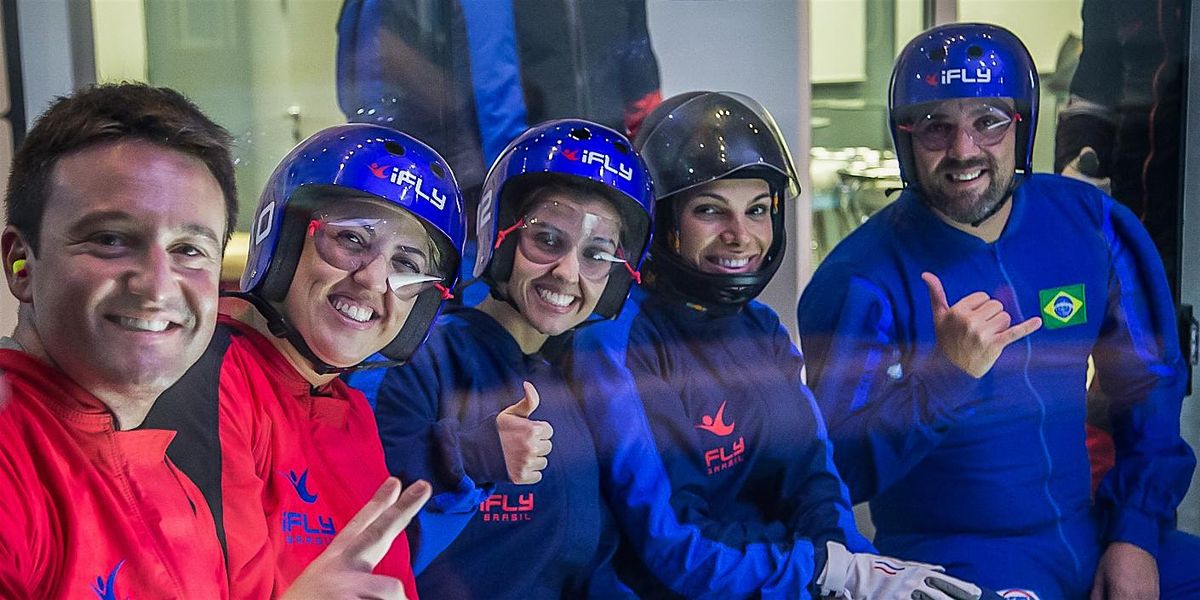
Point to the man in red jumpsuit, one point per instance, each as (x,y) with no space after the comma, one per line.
(119,205)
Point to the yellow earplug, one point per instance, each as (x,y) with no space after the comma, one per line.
(18,266)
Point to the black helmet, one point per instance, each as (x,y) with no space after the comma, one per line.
(698,137)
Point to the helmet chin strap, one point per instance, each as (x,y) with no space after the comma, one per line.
(495,292)
(279,327)
(715,294)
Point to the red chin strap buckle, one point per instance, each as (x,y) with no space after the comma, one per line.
(312,227)
(637,276)
(504,233)
(446,294)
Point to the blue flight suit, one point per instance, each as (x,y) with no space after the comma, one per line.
(990,477)
(714,456)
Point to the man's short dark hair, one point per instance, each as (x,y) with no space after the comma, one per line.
(108,113)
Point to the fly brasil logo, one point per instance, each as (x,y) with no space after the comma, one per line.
(724,456)
(502,508)
(300,484)
(591,157)
(298,529)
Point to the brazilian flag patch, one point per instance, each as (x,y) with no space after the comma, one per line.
(1063,306)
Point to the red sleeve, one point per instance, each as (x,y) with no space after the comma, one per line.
(17,546)
(637,110)
(362,426)
(244,458)
(22,544)
(1102,454)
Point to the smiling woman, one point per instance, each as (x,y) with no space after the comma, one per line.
(564,223)
(725,225)
(566,251)
(357,241)
(341,300)
(346,219)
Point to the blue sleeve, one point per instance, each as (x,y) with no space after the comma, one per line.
(602,580)
(419,445)
(887,406)
(683,555)
(813,496)
(495,74)
(1140,366)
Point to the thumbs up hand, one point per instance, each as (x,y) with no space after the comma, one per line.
(344,569)
(974,331)
(525,442)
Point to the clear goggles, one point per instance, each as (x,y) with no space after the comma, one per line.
(553,230)
(353,243)
(984,124)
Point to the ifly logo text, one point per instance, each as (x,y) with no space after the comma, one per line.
(981,75)
(500,507)
(433,196)
(298,529)
(591,157)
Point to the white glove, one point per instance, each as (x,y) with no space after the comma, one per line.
(872,577)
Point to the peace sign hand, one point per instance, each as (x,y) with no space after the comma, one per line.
(344,569)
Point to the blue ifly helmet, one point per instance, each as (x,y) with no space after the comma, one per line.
(571,152)
(963,60)
(362,161)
